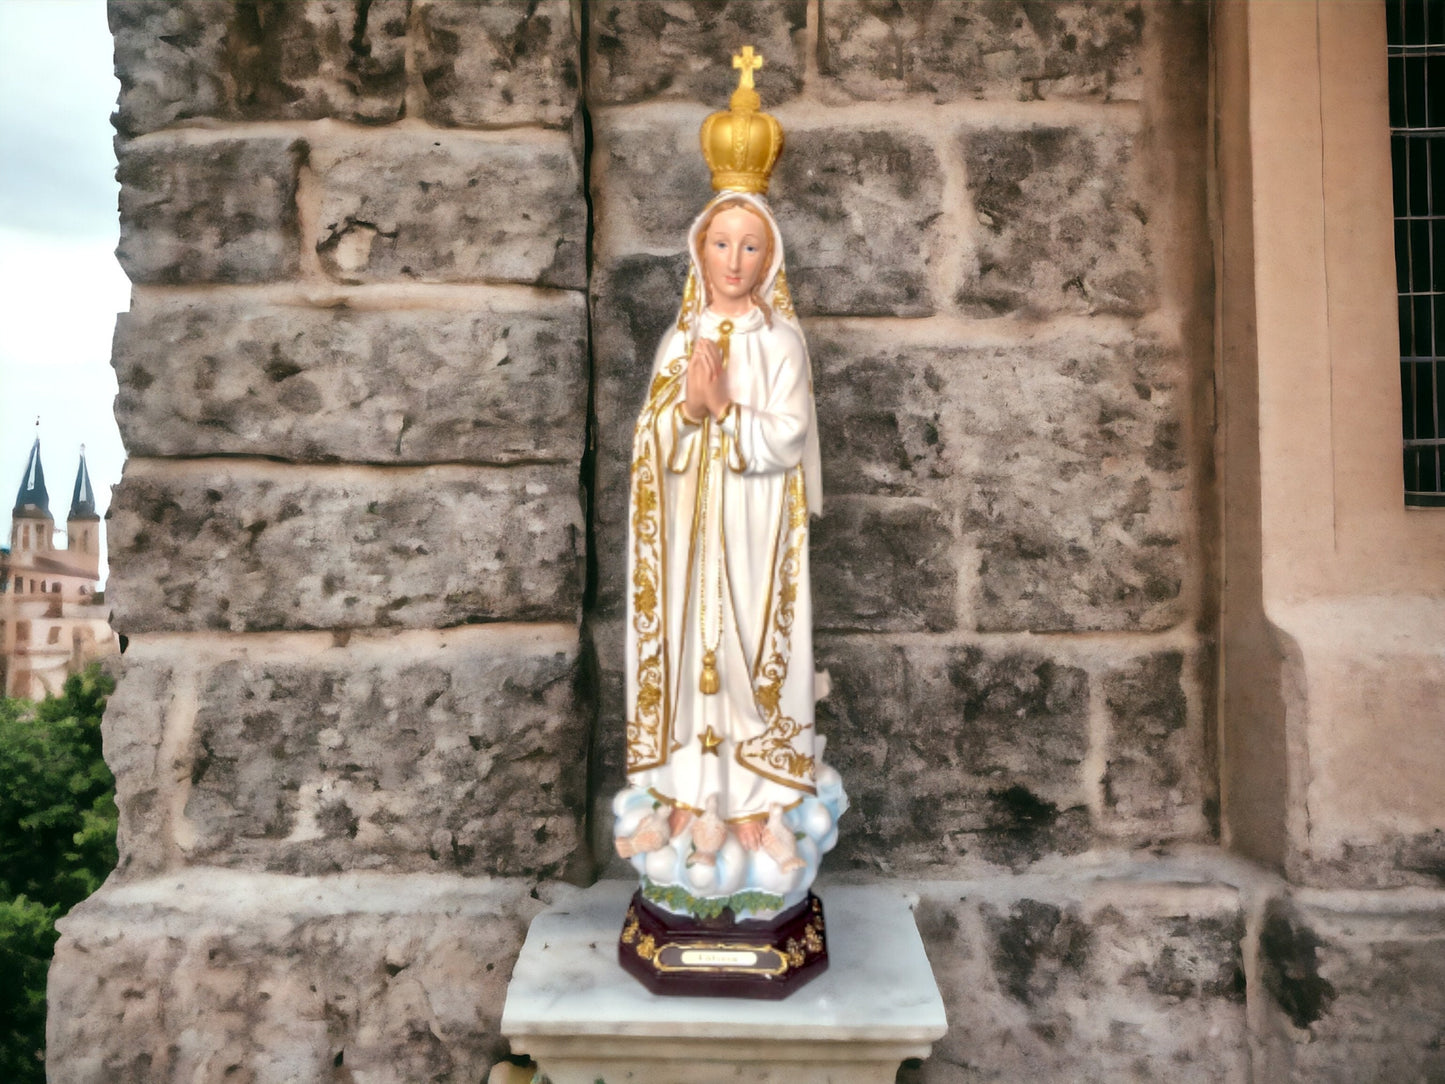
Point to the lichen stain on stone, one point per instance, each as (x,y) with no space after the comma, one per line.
(1290,965)
(1033,945)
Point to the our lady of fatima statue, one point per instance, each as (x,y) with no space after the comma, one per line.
(729,806)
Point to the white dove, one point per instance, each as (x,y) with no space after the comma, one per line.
(651,834)
(779,843)
(708,834)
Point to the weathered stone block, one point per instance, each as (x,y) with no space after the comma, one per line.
(856,210)
(177,61)
(955,754)
(1155,766)
(1061,224)
(452,207)
(1113,981)
(1353,994)
(1078,499)
(649,181)
(214,975)
(880,51)
(467,755)
(881,413)
(209,210)
(495,383)
(133,729)
(641,49)
(495,64)
(882,565)
(252,547)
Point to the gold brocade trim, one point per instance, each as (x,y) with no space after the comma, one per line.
(649,720)
(689,310)
(771,754)
(782,298)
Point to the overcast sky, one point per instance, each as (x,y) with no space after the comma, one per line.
(60,287)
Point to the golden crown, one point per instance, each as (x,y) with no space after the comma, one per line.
(742,145)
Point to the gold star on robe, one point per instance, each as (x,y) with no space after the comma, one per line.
(710,740)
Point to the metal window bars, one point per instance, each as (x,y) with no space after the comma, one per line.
(1416,31)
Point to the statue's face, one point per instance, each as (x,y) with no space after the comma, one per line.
(732,259)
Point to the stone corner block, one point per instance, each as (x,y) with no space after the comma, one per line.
(249,547)
(179,60)
(1351,993)
(212,974)
(492,384)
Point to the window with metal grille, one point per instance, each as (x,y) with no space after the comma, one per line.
(1417,149)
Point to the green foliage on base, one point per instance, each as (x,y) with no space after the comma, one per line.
(677,898)
(57,846)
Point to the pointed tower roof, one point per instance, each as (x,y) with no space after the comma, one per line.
(32,497)
(82,499)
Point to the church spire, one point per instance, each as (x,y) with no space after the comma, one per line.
(33,497)
(82,500)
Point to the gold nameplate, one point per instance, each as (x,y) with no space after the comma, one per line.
(720,958)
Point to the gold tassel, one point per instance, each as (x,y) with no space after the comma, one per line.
(708,683)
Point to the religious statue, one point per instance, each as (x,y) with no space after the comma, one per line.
(729,806)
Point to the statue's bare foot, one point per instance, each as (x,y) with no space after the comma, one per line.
(677,822)
(750,835)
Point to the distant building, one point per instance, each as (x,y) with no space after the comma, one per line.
(53,620)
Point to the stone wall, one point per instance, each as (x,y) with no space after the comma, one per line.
(400,268)
(348,550)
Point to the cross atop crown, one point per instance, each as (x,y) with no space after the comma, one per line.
(745,99)
(747,62)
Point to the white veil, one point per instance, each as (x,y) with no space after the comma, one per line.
(774,288)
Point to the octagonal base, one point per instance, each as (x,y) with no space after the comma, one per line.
(684,956)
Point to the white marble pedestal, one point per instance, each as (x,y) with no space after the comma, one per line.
(572,1008)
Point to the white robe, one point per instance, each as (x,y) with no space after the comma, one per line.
(723,565)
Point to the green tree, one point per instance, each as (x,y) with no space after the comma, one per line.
(57,846)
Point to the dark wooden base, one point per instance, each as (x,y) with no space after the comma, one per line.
(721,957)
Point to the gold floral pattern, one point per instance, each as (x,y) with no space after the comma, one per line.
(772,753)
(782,297)
(688,313)
(648,728)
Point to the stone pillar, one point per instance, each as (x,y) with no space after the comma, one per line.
(348,547)
(1333,672)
